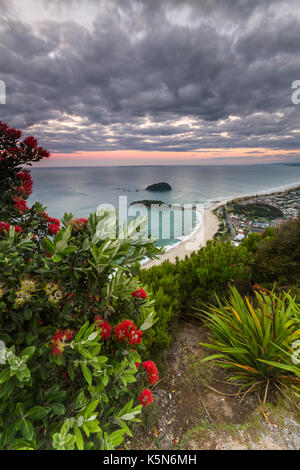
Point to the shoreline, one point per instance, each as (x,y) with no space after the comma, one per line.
(211,225)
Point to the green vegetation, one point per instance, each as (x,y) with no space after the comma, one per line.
(258,348)
(78,315)
(147,202)
(74,321)
(255,339)
(179,288)
(278,257)
(257,210)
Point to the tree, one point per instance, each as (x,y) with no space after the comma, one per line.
(73,320)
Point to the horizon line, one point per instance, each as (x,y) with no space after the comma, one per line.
(163,164)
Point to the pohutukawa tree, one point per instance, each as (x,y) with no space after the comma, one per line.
(73,320)
(16,182)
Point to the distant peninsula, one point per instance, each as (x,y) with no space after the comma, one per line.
(147,202)
(159,187)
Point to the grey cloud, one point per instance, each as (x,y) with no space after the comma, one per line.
(136,62)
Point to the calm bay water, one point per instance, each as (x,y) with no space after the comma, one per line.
(80,190)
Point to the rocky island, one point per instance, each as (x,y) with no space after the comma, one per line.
(159,187)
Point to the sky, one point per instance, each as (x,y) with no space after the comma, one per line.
(122,82)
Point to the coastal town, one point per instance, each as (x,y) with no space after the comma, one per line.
(251,214)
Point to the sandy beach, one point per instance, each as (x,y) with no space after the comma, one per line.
(207,230)
(197,239)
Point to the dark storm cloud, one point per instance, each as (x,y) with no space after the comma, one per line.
(131,78)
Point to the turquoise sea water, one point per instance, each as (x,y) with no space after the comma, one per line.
(80,190)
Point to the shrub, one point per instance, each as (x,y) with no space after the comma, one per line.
(220,264)
(278,258)
(73,323)
(192,282)
(164,286)
(255,340)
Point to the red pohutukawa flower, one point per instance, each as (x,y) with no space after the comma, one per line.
(4,226)
(126,331)
(78,225)
(80,222)
(15,152)
(121,331)
(135,336)
(145,397)
(25,188)
(24,175)
(54,221)
(54,224)
(43,152)
(140,294)
(104,326)
(53,229)
(152,372)
(20,205)
(59,340)
(30,142)
(13,133)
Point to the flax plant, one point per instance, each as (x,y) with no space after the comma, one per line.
(255,339)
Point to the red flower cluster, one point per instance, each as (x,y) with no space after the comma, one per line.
(43,152)
(104,326)
(28,149)
(140,294)
(126,331)
(152,372)
(26,186)
(145,397)
(81,223)
(20,205)
(78,225)
(12,133)
(5,226)
(53,229)
(54,224)
(59,340)
(30,142)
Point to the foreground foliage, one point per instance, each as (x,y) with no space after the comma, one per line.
(256,340)
(181,287)
(73,320)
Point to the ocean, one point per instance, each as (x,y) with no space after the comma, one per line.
(81,190)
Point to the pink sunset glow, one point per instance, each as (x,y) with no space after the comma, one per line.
(136,157)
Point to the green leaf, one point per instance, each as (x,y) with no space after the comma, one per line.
(4,375)
(58,408)
(87,373)
(28,351)
(20,409)
(213,356)
(79,438)
(117,437)
(61,245)
(27,429)
(37,412)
